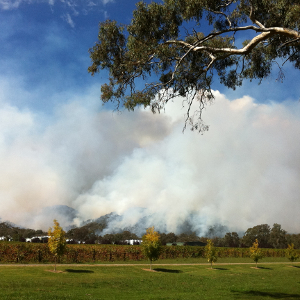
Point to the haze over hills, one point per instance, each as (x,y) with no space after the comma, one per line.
(101,231)
(63,213)
(114,223)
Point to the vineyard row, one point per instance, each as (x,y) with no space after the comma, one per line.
(39,253)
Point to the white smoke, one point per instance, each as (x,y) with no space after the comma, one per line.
(243,172)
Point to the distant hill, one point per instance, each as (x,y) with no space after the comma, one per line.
(9,231)
(63,211)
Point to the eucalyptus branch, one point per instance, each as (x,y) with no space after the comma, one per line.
(289,42)
(253,19)
(221,13)
(188,63)
(230,51)
(226,4)
(290,56)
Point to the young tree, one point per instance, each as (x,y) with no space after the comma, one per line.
(151,245)
(255,252)
(173,60)
(56,241)
(210,252)
(291,253)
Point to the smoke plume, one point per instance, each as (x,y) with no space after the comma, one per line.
(243,172)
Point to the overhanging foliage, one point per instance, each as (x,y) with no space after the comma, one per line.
(172,60)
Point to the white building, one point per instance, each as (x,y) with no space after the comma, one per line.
(5,238)
(28,240)
(132,242)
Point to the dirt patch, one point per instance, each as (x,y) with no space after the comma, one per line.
(52,271)
(149,270)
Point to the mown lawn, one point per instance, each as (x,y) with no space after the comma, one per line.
(271,281)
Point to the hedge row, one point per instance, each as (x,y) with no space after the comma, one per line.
(39,253)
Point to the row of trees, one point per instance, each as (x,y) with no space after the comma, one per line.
(89,234)
(255,252)
(152,247)
(268,237)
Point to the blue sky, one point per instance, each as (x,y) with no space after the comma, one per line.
(60,146)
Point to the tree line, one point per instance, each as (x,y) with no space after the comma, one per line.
(268,237)
(91,233)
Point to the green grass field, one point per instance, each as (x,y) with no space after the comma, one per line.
(225,281)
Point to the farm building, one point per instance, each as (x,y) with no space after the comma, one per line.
(133,242)
(37,239)
(5,238)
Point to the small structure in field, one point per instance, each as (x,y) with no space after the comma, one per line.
(133,242)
